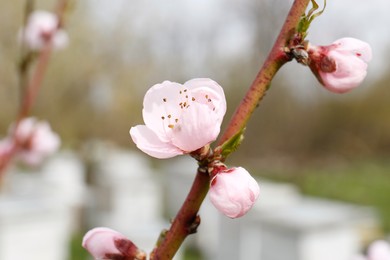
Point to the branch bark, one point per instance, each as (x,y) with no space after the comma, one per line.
(275,60)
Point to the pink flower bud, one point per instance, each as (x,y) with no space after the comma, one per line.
(379,250)
(179,118)
(42,27)
(233,192)
(35,140)
(105,243)
(342,65)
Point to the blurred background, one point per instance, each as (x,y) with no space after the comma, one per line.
(325,145)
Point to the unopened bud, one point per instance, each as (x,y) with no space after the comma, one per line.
(234,191)
(342,65)
(105,243)
(42,27)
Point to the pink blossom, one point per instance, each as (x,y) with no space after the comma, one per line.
(379,250)
(42,26)
(105,243)
(179,118)
(234,192)
(342,65)
(6,146)
(35,140)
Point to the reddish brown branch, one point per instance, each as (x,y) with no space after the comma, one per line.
(275,60)
(186,220)
(35,83)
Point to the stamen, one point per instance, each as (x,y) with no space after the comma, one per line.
(169,116)
(163,117)
(193,99)
(171,126)
(176,120)
(164,99)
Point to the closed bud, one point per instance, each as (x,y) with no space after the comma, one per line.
(105,243)
(42,27)
(35,140)
(233,191)
(342,65)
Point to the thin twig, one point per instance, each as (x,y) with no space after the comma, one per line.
(186,220)
(275,60)
(33,85)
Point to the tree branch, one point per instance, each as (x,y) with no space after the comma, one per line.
(186,220)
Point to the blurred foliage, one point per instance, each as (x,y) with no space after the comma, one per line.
(343,127)
(364,182)
(76,251)
(191,253)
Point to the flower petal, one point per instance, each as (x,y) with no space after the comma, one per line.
(358,47)
(147,141)
(160,102)
(101,241)
(350,72)
(202,87)
(196,128)
(6,146)
(40,27)
(45,141)
(205,83)
(379,250)
(180,118)
(233,192)
(341,66)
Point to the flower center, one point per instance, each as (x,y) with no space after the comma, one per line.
(176,107)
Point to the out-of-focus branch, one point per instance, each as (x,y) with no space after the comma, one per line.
(33,86)
(26,57)
(30,87)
